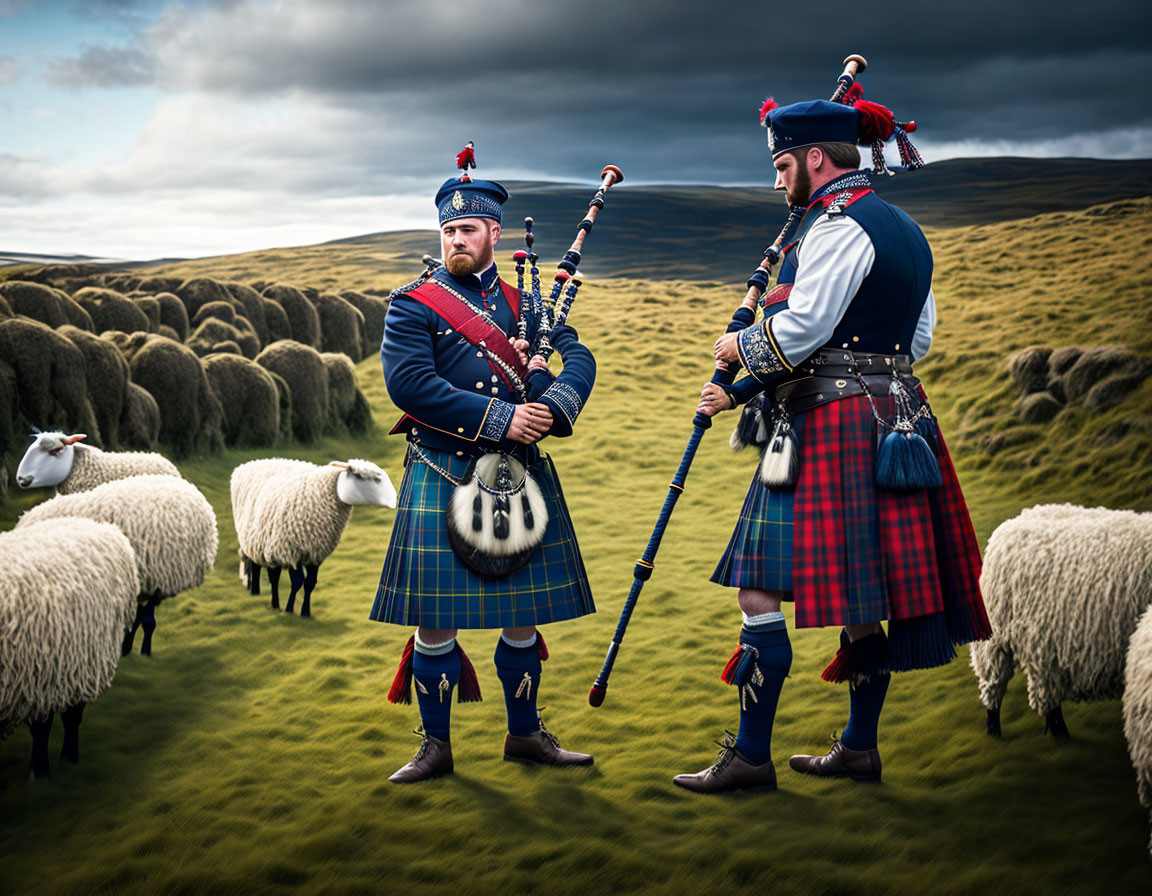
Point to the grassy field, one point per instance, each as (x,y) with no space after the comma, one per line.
(249,754)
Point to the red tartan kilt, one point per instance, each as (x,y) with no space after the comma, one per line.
(861,554)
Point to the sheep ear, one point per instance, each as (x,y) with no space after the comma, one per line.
(340,465)
(71,440)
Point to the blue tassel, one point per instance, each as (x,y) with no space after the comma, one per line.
(926,426)
(905,462)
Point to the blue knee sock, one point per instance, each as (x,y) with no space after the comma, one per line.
(436,670)
(758,702)
(518,669)
(865,701)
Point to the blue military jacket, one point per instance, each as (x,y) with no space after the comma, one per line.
(450,394)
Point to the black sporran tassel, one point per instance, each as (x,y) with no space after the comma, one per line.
(752,429)
(501,526)
(478,513)
(526,505)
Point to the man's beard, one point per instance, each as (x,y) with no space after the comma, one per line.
(802,190)
(460,264)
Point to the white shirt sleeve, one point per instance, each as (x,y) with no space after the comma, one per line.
(832,261)
(922,341)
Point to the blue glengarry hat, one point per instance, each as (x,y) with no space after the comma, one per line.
(809,123)
(851,120)
(463,197)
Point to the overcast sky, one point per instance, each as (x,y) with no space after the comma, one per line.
(146,128)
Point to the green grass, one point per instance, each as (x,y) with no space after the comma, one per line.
(250,753)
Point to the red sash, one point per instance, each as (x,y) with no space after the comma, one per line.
(474,327)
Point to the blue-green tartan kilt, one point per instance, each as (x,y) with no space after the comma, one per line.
(759,554)
(424,584)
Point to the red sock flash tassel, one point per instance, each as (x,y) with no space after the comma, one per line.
(401,691)
(856,660)
(541,647)
(468,690)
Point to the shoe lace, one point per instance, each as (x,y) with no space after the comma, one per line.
(425,743)
(727,751)
(547,734)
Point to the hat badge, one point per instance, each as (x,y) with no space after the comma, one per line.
(457,201)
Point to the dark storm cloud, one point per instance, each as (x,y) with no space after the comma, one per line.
(672,88)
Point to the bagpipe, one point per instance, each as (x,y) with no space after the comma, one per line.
(847,91)
(552,312)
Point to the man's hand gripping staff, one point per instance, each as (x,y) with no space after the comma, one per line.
(713,399)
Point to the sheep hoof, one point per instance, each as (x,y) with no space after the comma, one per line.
(994,723)
(1054,724)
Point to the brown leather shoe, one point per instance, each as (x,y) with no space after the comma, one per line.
(840,762)
(541,748)
(730,771)
(433,759)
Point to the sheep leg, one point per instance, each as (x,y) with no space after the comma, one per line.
(130,633)
(296,577)
(274,581)
(994,722)
(252,571)
(148,623)
(38,768)
(1054,723)
(312,570)
(71,718)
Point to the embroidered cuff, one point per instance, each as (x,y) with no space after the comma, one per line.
(497,420)
(566,398)
(759,353)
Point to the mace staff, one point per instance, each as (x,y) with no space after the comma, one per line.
(744,317)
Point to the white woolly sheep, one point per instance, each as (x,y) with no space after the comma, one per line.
(57,459)
(291,513)
(70,586)
(171,527)
(1138,707)
(1064,587)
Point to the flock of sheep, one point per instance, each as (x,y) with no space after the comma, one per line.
(86,569)
(1068,589)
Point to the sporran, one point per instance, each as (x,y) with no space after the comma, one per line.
(496,516)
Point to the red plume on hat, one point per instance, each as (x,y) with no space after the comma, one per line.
(877,125)
(768,106)
(466,159)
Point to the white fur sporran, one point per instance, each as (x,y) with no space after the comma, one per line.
(780,462)
(496,516)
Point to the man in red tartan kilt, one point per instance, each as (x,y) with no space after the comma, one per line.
(855,512)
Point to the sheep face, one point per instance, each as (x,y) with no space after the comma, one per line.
(362,482)
(48,460)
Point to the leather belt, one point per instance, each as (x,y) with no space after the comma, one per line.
(831,375)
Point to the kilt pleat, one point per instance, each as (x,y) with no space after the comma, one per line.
(424,584)
(851,553)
